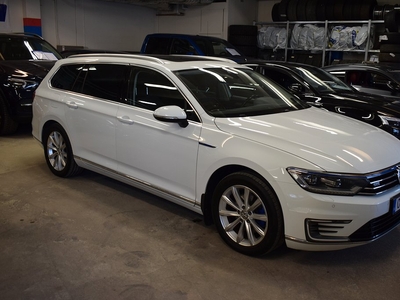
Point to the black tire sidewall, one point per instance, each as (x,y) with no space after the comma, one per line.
(274,235)
(250,30)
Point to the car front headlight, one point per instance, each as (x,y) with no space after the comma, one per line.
(328,183)
(391,125)
(25,84)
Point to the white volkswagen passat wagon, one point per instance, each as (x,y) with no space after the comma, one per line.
(224,141)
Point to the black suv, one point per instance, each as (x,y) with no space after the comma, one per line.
(24,60)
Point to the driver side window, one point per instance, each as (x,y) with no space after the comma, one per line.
(152,90)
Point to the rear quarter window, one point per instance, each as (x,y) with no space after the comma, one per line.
(65,77)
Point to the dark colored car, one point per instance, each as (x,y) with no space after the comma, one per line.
(373,78)
(24,61)
(168,43)
(318,87)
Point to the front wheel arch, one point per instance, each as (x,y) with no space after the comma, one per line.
(215,178)
(247,213)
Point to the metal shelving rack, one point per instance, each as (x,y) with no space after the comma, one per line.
(326,24)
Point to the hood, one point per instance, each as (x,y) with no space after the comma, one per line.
(32,68)
(383,105)
(333,142)
(369,98)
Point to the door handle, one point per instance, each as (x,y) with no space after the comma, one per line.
(125,119)
(72,104)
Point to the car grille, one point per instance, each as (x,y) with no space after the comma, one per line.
(376,227)
(382,181)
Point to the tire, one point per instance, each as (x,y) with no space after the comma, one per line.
(301,10)
(250,30)
(389,57)
(321,10)
(283,10)
(58,152)
(338,10)
(348,10)
(366,11)
(251,51)
(389,38)
(392,20)
(275,13)
(311,10)
(7,124)
(377,13)
(387,48)
(247,214)
(243,40)
(292,10)
(356,10)
(329,10)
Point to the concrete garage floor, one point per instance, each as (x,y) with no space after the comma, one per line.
(91,237)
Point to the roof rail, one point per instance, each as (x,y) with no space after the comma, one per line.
(140,56)
(28,33)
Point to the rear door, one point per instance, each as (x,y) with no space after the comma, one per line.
(91,111)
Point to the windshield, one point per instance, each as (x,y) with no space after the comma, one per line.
(22,48)
(321,80)
(234,92)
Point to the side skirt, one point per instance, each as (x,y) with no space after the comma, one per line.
(145,186)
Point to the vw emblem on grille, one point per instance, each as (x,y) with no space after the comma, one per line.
(398,172)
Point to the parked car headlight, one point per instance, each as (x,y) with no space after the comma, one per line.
(391,121)
(391,125)
(328,183)
(25,84)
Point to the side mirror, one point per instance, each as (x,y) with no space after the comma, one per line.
(296,88)
(171,114)
(393,86)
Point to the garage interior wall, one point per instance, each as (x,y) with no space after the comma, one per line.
(99,24)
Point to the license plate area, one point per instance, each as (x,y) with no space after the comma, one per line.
(395,204)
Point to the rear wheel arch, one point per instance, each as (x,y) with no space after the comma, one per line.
(45,127)
(58,150)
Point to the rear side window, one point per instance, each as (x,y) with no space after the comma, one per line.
(158,45)
(182,46)
(106,81)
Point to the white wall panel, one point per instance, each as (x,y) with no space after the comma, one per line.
(96,24)
(14,17)
(202,20)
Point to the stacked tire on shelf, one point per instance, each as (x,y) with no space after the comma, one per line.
(244,38)
(321,10)
(389,49)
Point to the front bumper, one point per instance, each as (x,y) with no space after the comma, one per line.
(317,222)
